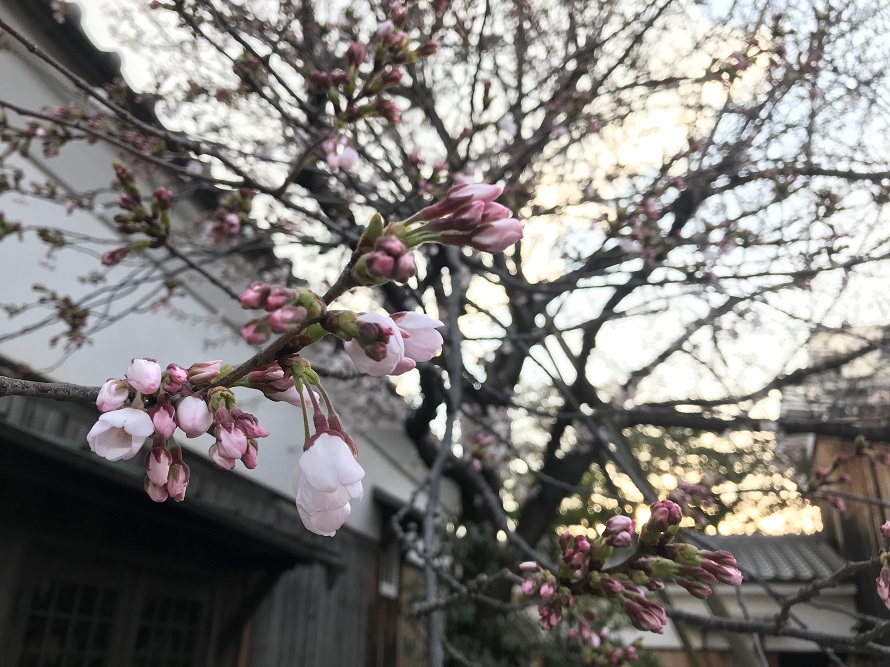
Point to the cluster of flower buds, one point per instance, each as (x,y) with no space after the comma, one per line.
(149,401)
(582,569)
(166,474)
(824,481)
(232,212)
(597,650)
(389,260)
(467,216)
(236,432)
(485,451)
(151,219)
(371,68)
(386,345)
(287,310)
(694,499)
(277,384)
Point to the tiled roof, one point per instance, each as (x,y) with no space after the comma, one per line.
(779,558)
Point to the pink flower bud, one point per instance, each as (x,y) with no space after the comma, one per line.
(254,296)
(428,48)
(379,265)
(193,416)
(496,236)
(405,268)
(619,531)
(231,442)
(177,374)
(164,198)
(163,419)
(611,585)
(355,54)
(391,245)
(144,375)
(278,296)
(697,589)
(113,395)
(392,77)
(646,614)
(221,461)
(204,372)
(547,590)
(231,223)
(256,333)
(532,566)
(287,318)
(250,455)
(114,257)
(528,587)
(178,481)
(664,514)
(155,492)
(388,110)
(885,529)
(157,465)
(249,424)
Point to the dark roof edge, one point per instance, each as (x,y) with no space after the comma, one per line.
(300,549)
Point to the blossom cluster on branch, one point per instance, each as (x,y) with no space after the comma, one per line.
(584,569)
(149,402)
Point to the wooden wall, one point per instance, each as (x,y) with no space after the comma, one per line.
(855,533)
(309,620)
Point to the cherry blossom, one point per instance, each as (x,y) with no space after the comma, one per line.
(120,434)
(193,416)
(144,375)
(421,340)
(329,478)
(113,395)
(392,360)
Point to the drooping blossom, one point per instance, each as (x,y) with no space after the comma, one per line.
(120,434)
(193,416)
(144,375)
(113,395)
(329,478)
(421,340)
(391,354)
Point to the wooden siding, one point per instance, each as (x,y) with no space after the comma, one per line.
(311,620)
(855,533)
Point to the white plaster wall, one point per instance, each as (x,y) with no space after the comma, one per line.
(201,327)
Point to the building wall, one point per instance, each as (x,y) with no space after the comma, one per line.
(855,533)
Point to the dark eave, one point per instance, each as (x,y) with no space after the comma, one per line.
(45,454)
